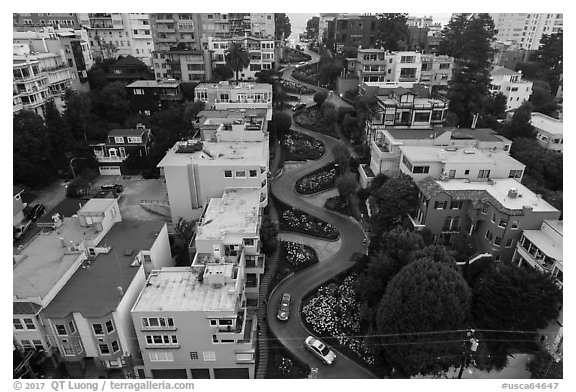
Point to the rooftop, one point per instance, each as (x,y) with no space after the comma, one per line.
(547,123)
(480,134)
(178,289)
(498,190)
(127,132)
(43,262)
(66,208)
(496,71)
(549,245)
(233,86)
(153,83)
(233,113)
(457,155)
(220,153)
(93,291)
(96,206)
(236,212)
(16,190)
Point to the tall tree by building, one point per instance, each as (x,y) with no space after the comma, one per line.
(237,58)
(391,30)
(283,26)
(312,27)
(452,41)
(59,134)
(551,53)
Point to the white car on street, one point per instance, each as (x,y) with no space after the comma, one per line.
(320,350)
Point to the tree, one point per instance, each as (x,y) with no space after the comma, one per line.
(283,28)
(351,128)
(551,54)
(191,111)
(222,72)
(282,123)
(184,231)
(544,170)
(520,125)
(78,114)
(425,296)
(507,297)
(320,97)
(32,152)
(545,366)
(268,235)
(391,30)
(312,27)
(396,198)
(59,134)
(111,102)
(341,156)
(543,100)
(187,89)
(237,58)
(346,184)
(452,38)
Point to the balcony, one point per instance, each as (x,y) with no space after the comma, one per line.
(255,264)
(55,68)
(108,159)
(417,225)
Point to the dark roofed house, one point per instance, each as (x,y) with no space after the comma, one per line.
(90,315)
(119,145)
(149,96)
(128,69)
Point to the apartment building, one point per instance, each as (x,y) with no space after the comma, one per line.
(182,65)
(233,152)
(208,301)
(386,153)
(325,18)
(436,70)
(24,21)
(89,319)
(261,51)
(491,213)
(224,95)
(549,132)
(119,145)
(44,266)
(371,65)
(149,96)
(510,83)
(37,78)
(119,34)
(526,29)
(72,45)
(348,32)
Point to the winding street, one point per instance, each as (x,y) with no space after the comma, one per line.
(292,333)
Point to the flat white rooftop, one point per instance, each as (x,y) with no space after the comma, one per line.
(178,289)
(499,191)
(547,123)
(235,213)
(550,246)
(96,205)
(233,86)
(44,261)
(220,154)
(460,155)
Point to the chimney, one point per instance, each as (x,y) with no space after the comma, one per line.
(513,193)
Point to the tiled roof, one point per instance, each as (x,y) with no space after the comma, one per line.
(25,308)
(128,61)
(429,187)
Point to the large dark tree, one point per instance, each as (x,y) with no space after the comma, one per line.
(425,296)
(543,100)
(312,26)
(468,90)
(341,156)
(544,170)
(283,27)
(222,72)
(237,58)
(551,54)
(391,30)
(32,152)
(61,139)
(452,41)
(346,185)
(78,114)
(520,125)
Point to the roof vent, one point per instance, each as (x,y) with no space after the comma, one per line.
(513,193)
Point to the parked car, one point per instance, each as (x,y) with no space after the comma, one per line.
(118,188)
(320,350)
(21,229)
(284,309)
(36,212)
(300,106)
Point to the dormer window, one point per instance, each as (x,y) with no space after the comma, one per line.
(118,139)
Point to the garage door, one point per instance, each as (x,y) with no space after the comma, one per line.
(169,373)
(231,373)
(110,170)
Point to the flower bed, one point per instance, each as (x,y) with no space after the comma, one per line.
(300,222)
(299,256)
(317,181)
(336,204)
(311,118)
(301,147)
(333,312)
(298,88)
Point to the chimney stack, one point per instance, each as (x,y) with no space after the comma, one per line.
(513,193)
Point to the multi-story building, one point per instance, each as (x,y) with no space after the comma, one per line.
(261,52)
(224,95)
(149,96)
(323,25)
(120,143)
(542,249)
(115,34)
(89,319)
(511,84)
(436,70)
(72,45)
(47,262)
(128,69)
(549,132)
(182,65)
(491,213)
(233,152)
(25,21)
(371,65)
(17,205)
(526,29)
(37,78)
(348,32)
(387,143)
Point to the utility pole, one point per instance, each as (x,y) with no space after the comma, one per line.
(470,347)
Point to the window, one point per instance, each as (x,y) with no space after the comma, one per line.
(248,241)
(78,346)
(509,243)
(18,324)
(138,91)
(119,139)
(514,225)
(25,343)
(194,355)
(60,329)
(452,173)
(109,326)
(161,340)
(228,173)
(489,235)
(240,174)
(253,173)
(409,73)
(456,204)
(213,322)
(214,339)
(98,330)
(445,66)
(483,173)
(498,241)
(407,59)
(68,350)
(161,356)
(421,169)
(502,223)
(115,346)
(104,349)
(515,174)
(209,356)
(421,117)
(71,327)
(440,205)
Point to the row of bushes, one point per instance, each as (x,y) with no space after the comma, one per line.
(298,256)
(301,147)
(318,181)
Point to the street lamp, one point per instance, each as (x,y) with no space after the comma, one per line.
(72,167)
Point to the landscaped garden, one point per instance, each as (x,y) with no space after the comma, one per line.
(312,118)
(300,147)
(332,313)
(292,87)
(300,222)
(290,55)
(317,181)
(298,256)
(339,205)
(284,364)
